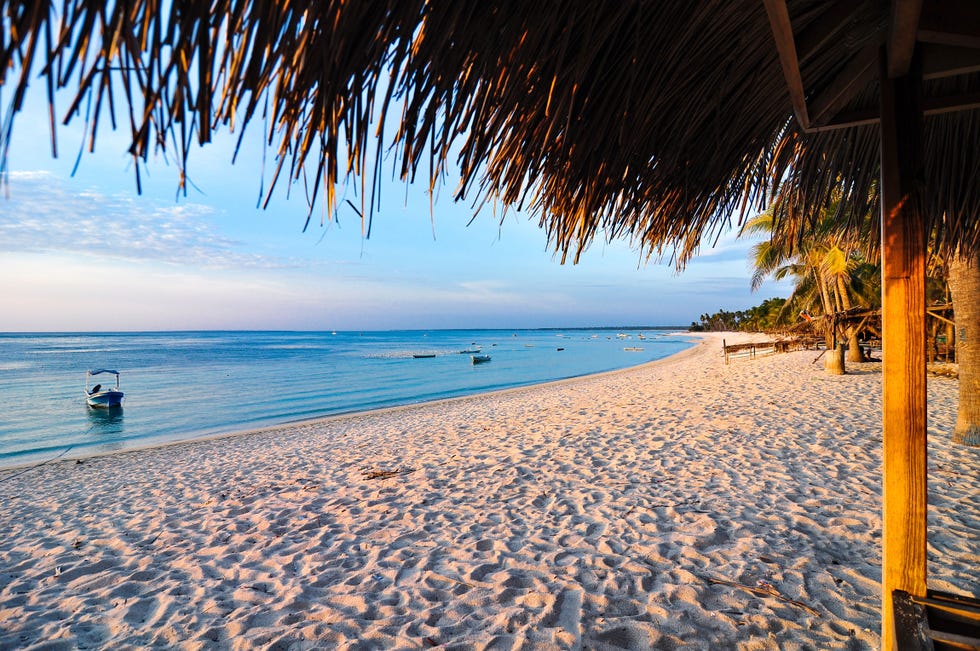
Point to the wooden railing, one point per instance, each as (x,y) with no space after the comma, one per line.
(765,348)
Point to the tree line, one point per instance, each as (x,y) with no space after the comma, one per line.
(768,315)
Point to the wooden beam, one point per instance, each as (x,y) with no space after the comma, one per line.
(903,265)
(951,103)
(940,317)
(931,106)
(848,120)
(782,33)
(854,78)
(824,29)
(940,61)
(902,34)
(951,23)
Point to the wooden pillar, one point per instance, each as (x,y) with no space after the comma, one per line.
(903,264)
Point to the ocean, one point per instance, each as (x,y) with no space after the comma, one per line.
(185,385)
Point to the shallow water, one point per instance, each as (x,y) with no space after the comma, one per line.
(190,384)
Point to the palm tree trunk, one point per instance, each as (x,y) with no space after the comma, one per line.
(964,287)
(828,309)
(854,353)
(833,363)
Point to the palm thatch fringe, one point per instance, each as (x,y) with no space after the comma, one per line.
(655,122)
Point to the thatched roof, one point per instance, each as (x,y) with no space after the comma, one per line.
(650,120)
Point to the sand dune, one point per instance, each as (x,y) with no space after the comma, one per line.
(683,504)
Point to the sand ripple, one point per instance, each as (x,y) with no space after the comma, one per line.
(588,514)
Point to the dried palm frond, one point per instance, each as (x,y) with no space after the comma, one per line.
(650,121)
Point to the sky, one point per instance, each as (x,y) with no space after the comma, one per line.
(81,250)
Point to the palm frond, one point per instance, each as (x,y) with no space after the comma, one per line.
(659,123)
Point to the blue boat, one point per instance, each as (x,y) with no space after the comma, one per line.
(101,397)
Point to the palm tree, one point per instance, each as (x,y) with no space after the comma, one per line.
(830,272)
(831,276)
(963,274)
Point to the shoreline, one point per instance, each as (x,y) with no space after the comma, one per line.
(640,508)
(167,441)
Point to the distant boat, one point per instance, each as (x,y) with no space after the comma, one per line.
(480,359)
(561,349)
(423,355)
(633,349)
(100,397)
(469,352)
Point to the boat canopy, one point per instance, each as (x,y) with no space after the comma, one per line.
(103,370)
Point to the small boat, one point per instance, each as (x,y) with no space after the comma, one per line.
(480,359)
(101,397)
(423,355)
(561,349)
(469,352)
(633,349)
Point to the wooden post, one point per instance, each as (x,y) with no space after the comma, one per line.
(903,259)
(833,364)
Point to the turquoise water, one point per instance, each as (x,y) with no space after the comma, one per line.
(190,384)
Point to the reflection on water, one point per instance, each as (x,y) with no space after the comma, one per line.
(105,422)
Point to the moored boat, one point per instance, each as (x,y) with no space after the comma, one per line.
(99,396)
(480,359)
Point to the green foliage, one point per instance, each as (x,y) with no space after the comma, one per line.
(829,265)
(766,316)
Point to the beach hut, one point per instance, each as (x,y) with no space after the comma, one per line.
(649,121)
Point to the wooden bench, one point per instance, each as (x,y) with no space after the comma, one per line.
(940,621)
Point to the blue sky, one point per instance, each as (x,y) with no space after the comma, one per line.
(87,253)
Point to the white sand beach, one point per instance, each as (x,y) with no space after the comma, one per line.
(629,510)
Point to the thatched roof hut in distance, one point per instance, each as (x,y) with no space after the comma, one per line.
(652,121)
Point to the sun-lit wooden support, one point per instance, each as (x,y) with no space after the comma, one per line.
(903,261)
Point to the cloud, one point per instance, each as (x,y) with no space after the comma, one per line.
(43,214)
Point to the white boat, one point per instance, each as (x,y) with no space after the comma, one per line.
(480,359)
(99,396)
